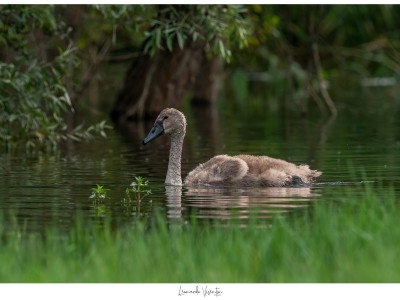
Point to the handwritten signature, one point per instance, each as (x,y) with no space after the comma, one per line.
(205,291)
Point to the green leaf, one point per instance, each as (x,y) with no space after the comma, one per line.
(158,37)
(195,35)
(169,42)
(222,48)
(181,39)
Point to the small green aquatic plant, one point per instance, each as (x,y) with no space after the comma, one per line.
(134,194)
(139,188)
(99,194)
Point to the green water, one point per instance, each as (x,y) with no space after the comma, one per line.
(362,143)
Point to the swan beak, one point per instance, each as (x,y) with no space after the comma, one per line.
(155,132)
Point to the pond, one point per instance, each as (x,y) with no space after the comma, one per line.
(361,144)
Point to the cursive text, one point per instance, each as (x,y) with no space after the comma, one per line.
(205,291)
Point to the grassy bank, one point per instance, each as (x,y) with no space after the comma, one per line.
(348,240)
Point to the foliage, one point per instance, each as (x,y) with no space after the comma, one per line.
(301,51)
(343,241)
(47,51)
(255,33)
(217,27)
(99,195)
(122,23)
(139,189)
(358,38)
(16,22)
(34,97)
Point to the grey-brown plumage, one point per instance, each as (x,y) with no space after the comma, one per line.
(239,170)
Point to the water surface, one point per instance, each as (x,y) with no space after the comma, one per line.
(361,144)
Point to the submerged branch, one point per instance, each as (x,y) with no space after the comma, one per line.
(324,92)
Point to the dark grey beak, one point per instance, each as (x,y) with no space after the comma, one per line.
(155,132)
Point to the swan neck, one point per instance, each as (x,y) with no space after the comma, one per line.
(174,163)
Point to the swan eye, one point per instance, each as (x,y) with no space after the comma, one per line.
(165,117)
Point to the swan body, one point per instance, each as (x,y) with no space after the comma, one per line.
(225,170)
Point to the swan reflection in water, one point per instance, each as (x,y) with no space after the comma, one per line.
(224,203)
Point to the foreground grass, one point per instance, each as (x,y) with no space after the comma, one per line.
(351,240)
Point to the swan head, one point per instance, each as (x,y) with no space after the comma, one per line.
(170,121)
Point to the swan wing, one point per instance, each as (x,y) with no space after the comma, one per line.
(219,169)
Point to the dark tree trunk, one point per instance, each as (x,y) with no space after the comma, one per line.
(205,87)
(154,83)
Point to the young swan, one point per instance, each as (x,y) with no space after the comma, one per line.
(239,170)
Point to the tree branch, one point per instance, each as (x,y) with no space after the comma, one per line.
(92,70)
(140,104)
